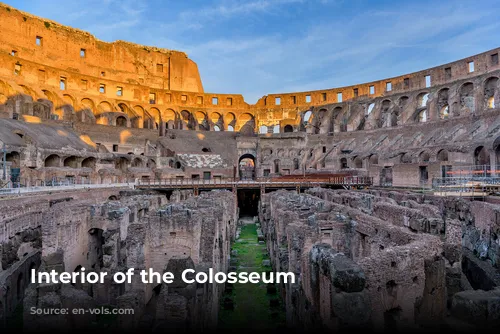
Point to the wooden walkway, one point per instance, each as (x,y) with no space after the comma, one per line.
(347,182)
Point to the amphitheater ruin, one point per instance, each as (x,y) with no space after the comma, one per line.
(381,197)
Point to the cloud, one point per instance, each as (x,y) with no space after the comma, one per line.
(257,47)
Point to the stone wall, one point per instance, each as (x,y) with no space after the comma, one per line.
(379,259)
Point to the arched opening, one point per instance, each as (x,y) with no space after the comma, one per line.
(14,158)
(343,163)
(137,162)
(358,162)
(89,162)
(188,121)
(425,157)
(246,165)
(20,287)
(52,160)
(178,165)
(247,122)
(288,128)
(216,128)
(442,155)
(121,121)
(422,99)
(263,129)
(295,163)
(71,162)
(151,164)
(276,129)
(373,159)
(121,164)
(111,198)
(230,128)
(481,157)
(406,158)
(202,120)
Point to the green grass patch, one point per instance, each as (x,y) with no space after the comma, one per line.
(251,302)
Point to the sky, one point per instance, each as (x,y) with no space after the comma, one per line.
(260,47)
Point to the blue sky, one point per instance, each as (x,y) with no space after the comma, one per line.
(259,47)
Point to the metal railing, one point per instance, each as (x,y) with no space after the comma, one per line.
(23,186)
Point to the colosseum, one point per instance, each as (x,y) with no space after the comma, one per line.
(381,197)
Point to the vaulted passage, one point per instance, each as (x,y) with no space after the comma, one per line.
(248,202)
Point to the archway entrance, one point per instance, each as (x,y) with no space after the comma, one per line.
(246,165)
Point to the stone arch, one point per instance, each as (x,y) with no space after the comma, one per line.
(121,121)
(481,157)
(406,158)
(52,160)
(151,164)
(358,162)
(247,124)
(89,162)
(491,92)
(424,157)
(136,120)
(104,107)
(263,129)
(170,118)
(137,162)
(121,164)
(442,155)
(373,159)
(466,93)
(422,100)
(154,114)
(71,162)
(142,115)
(69,100)
(217,120)
(246,166)
(187,120)
(14,158)
(288,128)
(202,120)
(296,164)
(88,104)
(230,120)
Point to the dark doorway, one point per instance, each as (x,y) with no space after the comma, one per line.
(386,177)
(248,202)
(424,174)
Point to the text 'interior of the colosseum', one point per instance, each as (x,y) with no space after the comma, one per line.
(380,197)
